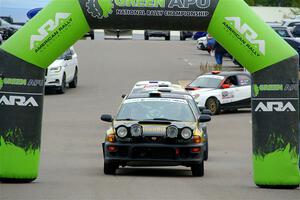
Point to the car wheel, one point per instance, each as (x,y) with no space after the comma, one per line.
(213,105)
(62,88)
(198,169)
(167,37)
(110,168)
(73,84)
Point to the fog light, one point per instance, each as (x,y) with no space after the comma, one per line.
(197,139)
(112,149)
(196,150)
(110,138)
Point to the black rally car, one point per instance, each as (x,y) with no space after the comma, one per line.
(155,129)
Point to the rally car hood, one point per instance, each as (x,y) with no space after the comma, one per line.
(201,90)
(155,127)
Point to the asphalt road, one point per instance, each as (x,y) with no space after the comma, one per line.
(72,163)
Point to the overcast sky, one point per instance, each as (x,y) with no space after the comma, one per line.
(18,8)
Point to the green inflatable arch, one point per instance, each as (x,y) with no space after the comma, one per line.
(272,62)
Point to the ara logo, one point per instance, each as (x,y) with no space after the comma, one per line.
(248,32)
(275,106)
(47,28)
(18,101)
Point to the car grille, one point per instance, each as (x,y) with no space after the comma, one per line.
(153,153)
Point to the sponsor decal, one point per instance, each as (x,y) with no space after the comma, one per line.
(18,101)
(50,30)
(246,35)
(103,8)
(257,89)
(275,106)
(227,95)
(20,82)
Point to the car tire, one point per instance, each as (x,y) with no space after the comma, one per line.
(213,105)
(205,156)
(73,83)
(110,168)
(198,169)
(181,36)
(167,37)
(62,88)
(146,36)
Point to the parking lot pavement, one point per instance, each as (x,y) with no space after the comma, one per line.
(72,162)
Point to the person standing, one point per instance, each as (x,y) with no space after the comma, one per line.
(219,54)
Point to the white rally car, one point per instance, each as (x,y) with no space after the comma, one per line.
(63,71)
(222,91)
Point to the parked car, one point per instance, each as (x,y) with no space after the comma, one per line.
(63,72)
(118,34)
(185,34)
(90,34)
(291,38)
(282,31)
(155,128)
(222,91)
(205,43)
(290,23)
(198,35)
(157,33)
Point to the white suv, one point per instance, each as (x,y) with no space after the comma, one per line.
(63,72)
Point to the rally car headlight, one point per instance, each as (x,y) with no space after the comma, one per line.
(186,133)
(172,132)
(136,130)
(122,132)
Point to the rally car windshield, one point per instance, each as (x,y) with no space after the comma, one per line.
(156,109)
(207,82)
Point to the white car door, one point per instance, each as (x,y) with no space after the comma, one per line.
(243,90)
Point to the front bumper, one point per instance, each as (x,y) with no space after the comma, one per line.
(154,154)
(53,80)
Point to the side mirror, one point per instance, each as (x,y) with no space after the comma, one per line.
(225,86)
(106,118)
(123,96)
(204,118)
(206,112)
(68,57)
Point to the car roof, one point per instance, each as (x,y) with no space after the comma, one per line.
(171,95)
(227,73)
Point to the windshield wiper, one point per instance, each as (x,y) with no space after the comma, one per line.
(165,119)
